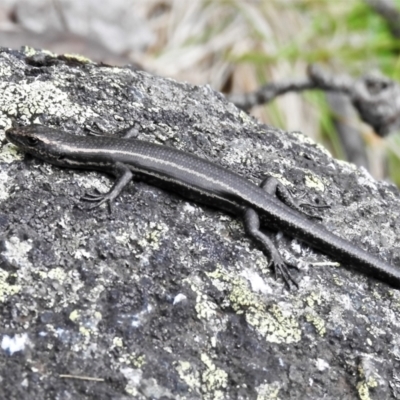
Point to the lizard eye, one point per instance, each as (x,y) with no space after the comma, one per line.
(32,141)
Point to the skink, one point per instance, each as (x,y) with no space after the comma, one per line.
(269,204)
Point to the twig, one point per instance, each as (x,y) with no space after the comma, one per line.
(82,378)
(375,97)
(268,92)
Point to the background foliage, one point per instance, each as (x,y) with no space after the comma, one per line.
(233,45)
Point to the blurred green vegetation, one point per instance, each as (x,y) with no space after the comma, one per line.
(346,36)
(237,46)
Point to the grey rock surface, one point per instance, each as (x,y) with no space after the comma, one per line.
(167,299)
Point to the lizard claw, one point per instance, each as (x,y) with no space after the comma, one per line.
(282,267)
(92,198)
(99,199)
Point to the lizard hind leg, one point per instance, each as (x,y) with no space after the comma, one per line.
(273,187)
(252,226)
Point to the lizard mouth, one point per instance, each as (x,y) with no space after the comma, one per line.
(13,137)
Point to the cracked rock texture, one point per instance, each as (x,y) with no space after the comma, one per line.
(167,299)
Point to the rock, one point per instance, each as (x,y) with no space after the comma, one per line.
(165,298)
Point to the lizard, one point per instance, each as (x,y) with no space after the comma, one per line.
(270,204)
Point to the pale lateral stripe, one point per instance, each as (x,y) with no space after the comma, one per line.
(169,179)
(162,162)
(179,183)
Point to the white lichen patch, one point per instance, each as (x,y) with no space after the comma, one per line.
(17,252)
(3,186)
(93,180)
(364,178)
(244,151)
(133,377)
(117,342)
(141,388)
(257,283)
(15,344)
(27,99)
(281,179)
(347,165)
(308,140)
(123,237)
(82,253)
(5,71)
(322,365)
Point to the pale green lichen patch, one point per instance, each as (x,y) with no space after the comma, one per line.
(367,377)
(188,374)
(314,298)
(86,322)
(10,153)
(214,380)
(123,237)
(205,308)
(58,274)
(7,289)
(85,332)
(39,97)
(274,325)
(78,57)
(30,51)
(137,360)
(363,388)
(74,315)
(272,322)
(268,391)
(312,181)
(338,281)
(153,236)
(118,341)
(317,321)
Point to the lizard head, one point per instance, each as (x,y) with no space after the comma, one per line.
(40,141)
